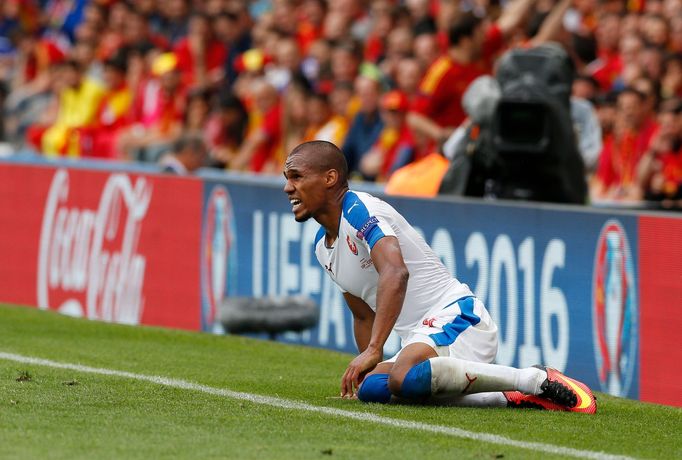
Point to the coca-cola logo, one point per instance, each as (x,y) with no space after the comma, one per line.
(88,263)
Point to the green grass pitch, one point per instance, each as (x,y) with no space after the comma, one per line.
(48,412)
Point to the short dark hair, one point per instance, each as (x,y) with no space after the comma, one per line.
(325,156)
(463,27)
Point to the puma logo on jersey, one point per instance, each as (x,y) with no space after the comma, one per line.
(354,205)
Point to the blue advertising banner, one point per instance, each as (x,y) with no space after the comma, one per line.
(561,284)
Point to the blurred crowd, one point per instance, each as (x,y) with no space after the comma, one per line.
(237,84)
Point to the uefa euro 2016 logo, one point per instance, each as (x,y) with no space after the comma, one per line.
(217,256)
(614,310)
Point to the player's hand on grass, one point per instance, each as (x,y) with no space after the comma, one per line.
(357,369)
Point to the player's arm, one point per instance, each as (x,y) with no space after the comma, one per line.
(363,319)
(392,285)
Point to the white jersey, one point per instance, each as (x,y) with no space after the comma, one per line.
(366,219)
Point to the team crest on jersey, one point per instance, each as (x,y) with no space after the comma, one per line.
(614,310)
(351,245)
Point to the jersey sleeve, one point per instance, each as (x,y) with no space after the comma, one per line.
(370,223)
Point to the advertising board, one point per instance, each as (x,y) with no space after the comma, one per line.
(560,284)
(111,246)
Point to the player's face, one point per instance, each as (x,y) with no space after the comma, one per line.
(305,188)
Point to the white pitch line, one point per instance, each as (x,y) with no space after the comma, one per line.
(289,404)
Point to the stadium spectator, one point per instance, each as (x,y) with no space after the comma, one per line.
(235,34)
(259,152)
(671,81)
(585,87)
(227,46)
(367,124)
(226,129)
(84,53)
(197,114)
(609,63)
(113,30)
(660,169)
(323,123)
(286,63)
(188,154)
(382,21)
(78,101)
(408,76)
(472,48)
(616,175)
(310,23)
(343,102)
(395,146)
(587,130)
(651,92)
(346,58)
(31,78)
(336,25)
(294,115)
(426,49)
(675,44)
(113,113)
(172,21)
(158,109)
(200,55)
(398,46)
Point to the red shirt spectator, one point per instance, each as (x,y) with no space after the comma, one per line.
(113,113)
(616,175)
(200,56)
(259,151)
(446,80)
(272,132)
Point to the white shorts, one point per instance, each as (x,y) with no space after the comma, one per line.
(463,329)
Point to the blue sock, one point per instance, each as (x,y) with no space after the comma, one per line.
(375,389)
(417,382)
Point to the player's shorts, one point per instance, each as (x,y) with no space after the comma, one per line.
(463,329)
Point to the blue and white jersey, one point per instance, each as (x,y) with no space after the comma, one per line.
(366,219)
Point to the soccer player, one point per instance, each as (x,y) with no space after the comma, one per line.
(392,280)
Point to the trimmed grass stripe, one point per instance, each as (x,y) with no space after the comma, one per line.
(72,388)
(288,404)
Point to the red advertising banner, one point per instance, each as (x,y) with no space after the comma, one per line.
(112,246)
(660,273)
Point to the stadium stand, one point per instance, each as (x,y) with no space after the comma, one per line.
(125,79)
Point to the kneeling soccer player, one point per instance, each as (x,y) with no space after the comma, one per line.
(392,280)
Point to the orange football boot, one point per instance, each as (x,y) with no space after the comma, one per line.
(575,396)
(519,400)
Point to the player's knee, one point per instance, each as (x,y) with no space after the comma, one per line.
(375,389)
(416,384)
